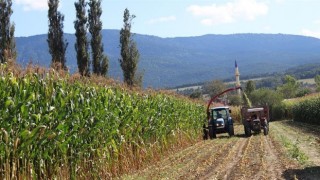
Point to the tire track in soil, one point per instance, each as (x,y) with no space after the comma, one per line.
(207,160)
(256,157)
(252,161)
(176,164)
(166,164)
(223,170)
(273,163)
(259,154)
(240,170)
(191,168)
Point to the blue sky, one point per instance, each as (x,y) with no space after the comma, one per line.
(176,18)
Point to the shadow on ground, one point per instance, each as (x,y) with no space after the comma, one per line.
(225,136)
(308,173)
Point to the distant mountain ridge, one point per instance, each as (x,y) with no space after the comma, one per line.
(169,62)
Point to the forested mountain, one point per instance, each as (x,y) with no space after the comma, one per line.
(168,62)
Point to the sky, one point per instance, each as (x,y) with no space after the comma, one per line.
(181,18)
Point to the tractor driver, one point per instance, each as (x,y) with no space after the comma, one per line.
(219,115)
(254,116)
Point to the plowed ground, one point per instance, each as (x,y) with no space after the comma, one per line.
(240,157)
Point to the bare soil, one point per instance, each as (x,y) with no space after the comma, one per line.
(240,157)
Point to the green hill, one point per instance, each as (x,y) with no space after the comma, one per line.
(169,62)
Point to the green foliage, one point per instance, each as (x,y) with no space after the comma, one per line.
(303,91)
(307,111)
(81,45)
(129,52)
(317,80)
(57,45)
(100,61)
(297,109)
(104,66)
(289,88)
(235,100)
(270,82)
(138,79)
(305,71)
(7,39)
(262,97)
(51,123)
(214,87)
(12,55)
(196,94)
(280,111)
(250,87)
(294,150)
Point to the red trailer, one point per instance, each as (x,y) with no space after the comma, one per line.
(255,119)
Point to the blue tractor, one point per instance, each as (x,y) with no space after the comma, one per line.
(220,122)
(218,118)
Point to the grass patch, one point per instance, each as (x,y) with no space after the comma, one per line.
(293,150)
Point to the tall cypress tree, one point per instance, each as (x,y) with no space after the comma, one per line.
(7,40)
(12,45)
(57,44)
(100,61)
(129,52)
(81,45)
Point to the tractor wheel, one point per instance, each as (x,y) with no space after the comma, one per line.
(205,132)
(231,130)
(247,130)
(212,133)
(265,130)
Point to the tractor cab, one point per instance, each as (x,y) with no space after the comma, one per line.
(220,117)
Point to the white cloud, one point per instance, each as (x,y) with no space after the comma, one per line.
(162,19)
(317,22)
(230,12)
(307,32)
(29,5)
(280,1)
(267,28)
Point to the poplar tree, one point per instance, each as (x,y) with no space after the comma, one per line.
(129,52)
(7,40)
(317,81)
(57,44)
(81,45)
(250,87)
(100,62)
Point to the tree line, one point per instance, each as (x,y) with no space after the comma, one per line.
(7,41)
(287,88)
(88,20)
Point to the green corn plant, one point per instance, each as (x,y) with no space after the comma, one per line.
(55,126)
(307,111)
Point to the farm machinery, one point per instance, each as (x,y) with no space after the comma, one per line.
(255,119)
(219,119)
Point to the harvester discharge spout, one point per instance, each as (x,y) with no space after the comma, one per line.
(216,96)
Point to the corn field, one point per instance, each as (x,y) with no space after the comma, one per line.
(51,128)
(303,109)
(307,111)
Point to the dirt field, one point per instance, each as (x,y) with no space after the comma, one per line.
(290,151)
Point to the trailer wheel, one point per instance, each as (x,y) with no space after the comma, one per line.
(247,130)
(212,133)
(265,130)
(231,130)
